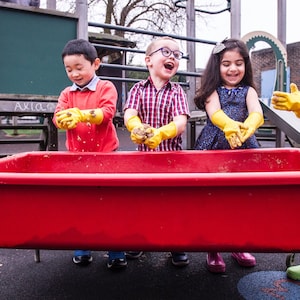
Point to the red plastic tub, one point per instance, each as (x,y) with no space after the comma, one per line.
(246,200)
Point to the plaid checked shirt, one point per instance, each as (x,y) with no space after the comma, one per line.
(158,108)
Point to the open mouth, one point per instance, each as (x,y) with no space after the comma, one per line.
(169,66)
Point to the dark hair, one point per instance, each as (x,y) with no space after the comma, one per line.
(80,46)
(211,78)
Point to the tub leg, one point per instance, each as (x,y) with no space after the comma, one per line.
(37,257)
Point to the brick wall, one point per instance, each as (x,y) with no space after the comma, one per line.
(293,55)
(263,60)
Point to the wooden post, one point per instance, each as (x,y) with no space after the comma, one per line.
(235,19)
(82,12)
(51,4)
(191,63)
(281,26)
(190,14)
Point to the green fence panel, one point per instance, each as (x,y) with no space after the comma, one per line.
(30,51)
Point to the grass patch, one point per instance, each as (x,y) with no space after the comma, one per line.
(23,131)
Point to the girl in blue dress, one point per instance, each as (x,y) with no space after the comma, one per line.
(227,94)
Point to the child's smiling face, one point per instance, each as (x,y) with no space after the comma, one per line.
(232,68)
(79,69)
(164,67)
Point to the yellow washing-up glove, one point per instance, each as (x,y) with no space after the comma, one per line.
(287,101)
(162,133)
(254,120)
(231,128)
(133,122)
(69,118)
(136,129)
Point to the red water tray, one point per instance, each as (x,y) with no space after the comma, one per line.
(246,200)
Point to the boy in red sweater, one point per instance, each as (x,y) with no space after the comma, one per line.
(86,110)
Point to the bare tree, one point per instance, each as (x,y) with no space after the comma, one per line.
(152,15)
(144,14)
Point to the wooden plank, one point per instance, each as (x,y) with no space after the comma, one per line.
(31,105)
(26,104)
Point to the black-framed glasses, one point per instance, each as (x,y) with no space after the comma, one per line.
(167,52)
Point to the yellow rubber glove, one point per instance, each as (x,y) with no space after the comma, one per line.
(162,133)
(69,118)
(61,124)
(231,128)
(254,120)
(136,128)
(133,122)
(287,101)
(65,118)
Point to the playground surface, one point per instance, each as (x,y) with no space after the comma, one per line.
(152,276)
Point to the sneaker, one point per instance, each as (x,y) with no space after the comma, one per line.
(82,257)
(116,260)
(134,254)
(180,259)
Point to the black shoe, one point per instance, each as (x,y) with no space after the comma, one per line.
(82,260)
(117,263)
(134,254)
(180,259)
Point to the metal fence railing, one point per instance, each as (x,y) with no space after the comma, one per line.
(124,68)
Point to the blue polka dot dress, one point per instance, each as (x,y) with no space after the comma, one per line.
(233,103)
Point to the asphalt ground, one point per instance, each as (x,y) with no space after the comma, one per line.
(152,276)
